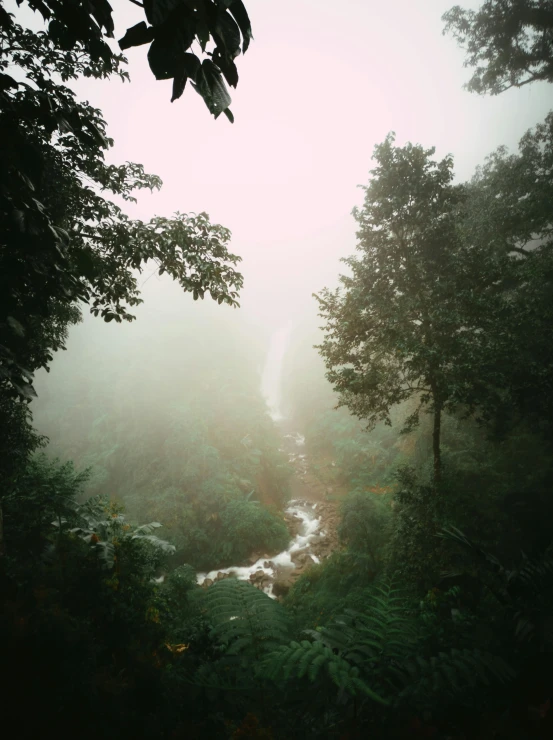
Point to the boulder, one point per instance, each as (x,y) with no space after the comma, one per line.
(221,576)
(281,586)
(300,558)
(207,582)
(258,576)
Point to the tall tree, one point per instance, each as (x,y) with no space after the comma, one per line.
(395,330)
(508,222)
(509,42)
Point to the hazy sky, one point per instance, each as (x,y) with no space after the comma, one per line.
(321,84)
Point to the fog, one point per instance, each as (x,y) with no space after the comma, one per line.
(321,84)
(266,521)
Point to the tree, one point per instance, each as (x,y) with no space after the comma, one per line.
(395,330)
(62,241)
(508,221)
(509,42)
(171,29)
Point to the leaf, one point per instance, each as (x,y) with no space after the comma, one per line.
(189,65)
(24,389)
(6,81)
(96,134)
(162,60)
(227,67)
(179,83)
(202,32)
(16,326)
(5,18)
(157,11)
(227,33)
(137,35)
(240,14)
(211,87)
(166,55)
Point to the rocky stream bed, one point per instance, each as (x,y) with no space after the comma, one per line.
(312,523)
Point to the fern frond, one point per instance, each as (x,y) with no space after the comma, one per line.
(451,675)
(244,618)
(316,661)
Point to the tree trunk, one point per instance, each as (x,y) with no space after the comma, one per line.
(436,442)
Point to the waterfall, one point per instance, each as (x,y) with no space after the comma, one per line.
(271,380)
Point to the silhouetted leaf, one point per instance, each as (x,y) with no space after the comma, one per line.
(227,67)
(167,51)
(137,35)
(227,33)
(211,87)
(179,83)
(240,13)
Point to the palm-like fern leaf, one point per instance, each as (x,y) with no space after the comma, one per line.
(245,619)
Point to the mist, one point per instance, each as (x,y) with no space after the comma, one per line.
(315,504)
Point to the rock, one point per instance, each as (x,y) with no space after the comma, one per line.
(207,582)
(300,557)
(254,557)
(282,585)
(268,564)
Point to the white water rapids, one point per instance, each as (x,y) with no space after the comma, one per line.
(309,528)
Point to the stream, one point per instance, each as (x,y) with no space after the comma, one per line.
(266,569)
(305,514)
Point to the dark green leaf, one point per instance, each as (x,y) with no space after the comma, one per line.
(137,35)
(240,13)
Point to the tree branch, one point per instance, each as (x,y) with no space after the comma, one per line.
(519,250)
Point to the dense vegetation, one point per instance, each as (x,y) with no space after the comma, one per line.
(434,617)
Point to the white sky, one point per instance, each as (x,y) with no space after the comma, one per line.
(321,84)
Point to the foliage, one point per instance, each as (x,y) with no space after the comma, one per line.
(78,607)
(396,331)
(364,526)
(245,621)
(380,654)
(508,42)
(508,221)
(170,30)
(63,242)
(524,590)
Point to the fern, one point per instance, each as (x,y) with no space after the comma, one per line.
(525,590)
(314,659)
(452,675)
(244,619)
(379,654)
(357,650)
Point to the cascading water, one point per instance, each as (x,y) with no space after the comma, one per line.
(310,524)
(271,388)
(271,380)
